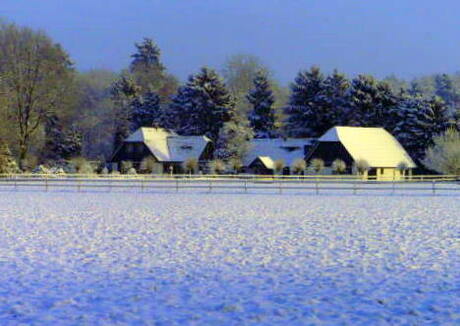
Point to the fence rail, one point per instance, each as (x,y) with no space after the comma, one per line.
(240,183)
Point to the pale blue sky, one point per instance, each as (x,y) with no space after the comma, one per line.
(405,37)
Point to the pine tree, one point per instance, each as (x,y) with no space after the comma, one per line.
(149,73)
(363,100)
(439,116)
(124,91)
(146,111)
(444,88)
(201,106)
(303,110)
(334,102)
(262,117)
(419,121)
(61,143)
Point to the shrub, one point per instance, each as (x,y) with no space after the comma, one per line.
(444,155)
(362,166)
(317,165)
(131,171)
(278,166)
(8,164)
(104,171)
(299,166)
(191,165)
(235,164)
(216,166)
(125,166)
(148,165)
(82,166)
(339,166)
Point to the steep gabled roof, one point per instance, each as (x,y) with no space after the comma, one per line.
(167,146)
(375,145)
(269,150)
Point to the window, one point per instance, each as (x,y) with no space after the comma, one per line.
(129,148)
(382,171)
(139,148)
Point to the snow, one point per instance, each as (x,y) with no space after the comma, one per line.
(228,259)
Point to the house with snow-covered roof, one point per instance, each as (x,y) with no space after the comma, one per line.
(383,154)
(166,148)
(264,152)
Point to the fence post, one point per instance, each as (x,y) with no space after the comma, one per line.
(245,185)
(79,185)
(279,184)
(317,186)
(177,185)
(394,184)
(210,185)
(354,187)
(46,184)
(433,185)
(142,185)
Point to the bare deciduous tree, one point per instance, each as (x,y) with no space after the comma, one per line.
(35,74)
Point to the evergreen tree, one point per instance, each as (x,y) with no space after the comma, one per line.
(61,143)
(146,111)
(262,117)
(334,102)
(303,110)
(419,121)
(201,106)
(149,73)
(124,91)
(444,88)
(439,116)
(387,102)
(363,100)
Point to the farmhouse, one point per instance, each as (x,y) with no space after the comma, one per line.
(165,148)
(375,146)
(264,152)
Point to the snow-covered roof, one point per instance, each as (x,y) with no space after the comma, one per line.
(375,145)
(167,146)
(269,150)
(267,161)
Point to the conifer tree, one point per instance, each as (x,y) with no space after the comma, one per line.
(262,116)
(303,110)
(334,102)
(124,91)
(419,121)
(61,143)
(363,99)
(149,73)
(201,106)
(444,88)
(146,111)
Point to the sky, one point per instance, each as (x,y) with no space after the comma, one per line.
(408,38)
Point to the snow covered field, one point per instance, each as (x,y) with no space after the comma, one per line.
(228,259)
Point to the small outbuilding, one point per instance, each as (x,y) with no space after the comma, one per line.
(375,147)
(265,152)
(167,150)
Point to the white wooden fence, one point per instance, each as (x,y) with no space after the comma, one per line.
(231,183)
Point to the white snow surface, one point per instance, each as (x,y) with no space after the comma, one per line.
(228,259)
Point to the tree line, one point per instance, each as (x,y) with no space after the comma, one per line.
(50,112)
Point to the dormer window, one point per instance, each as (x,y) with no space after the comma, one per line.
(186,147)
